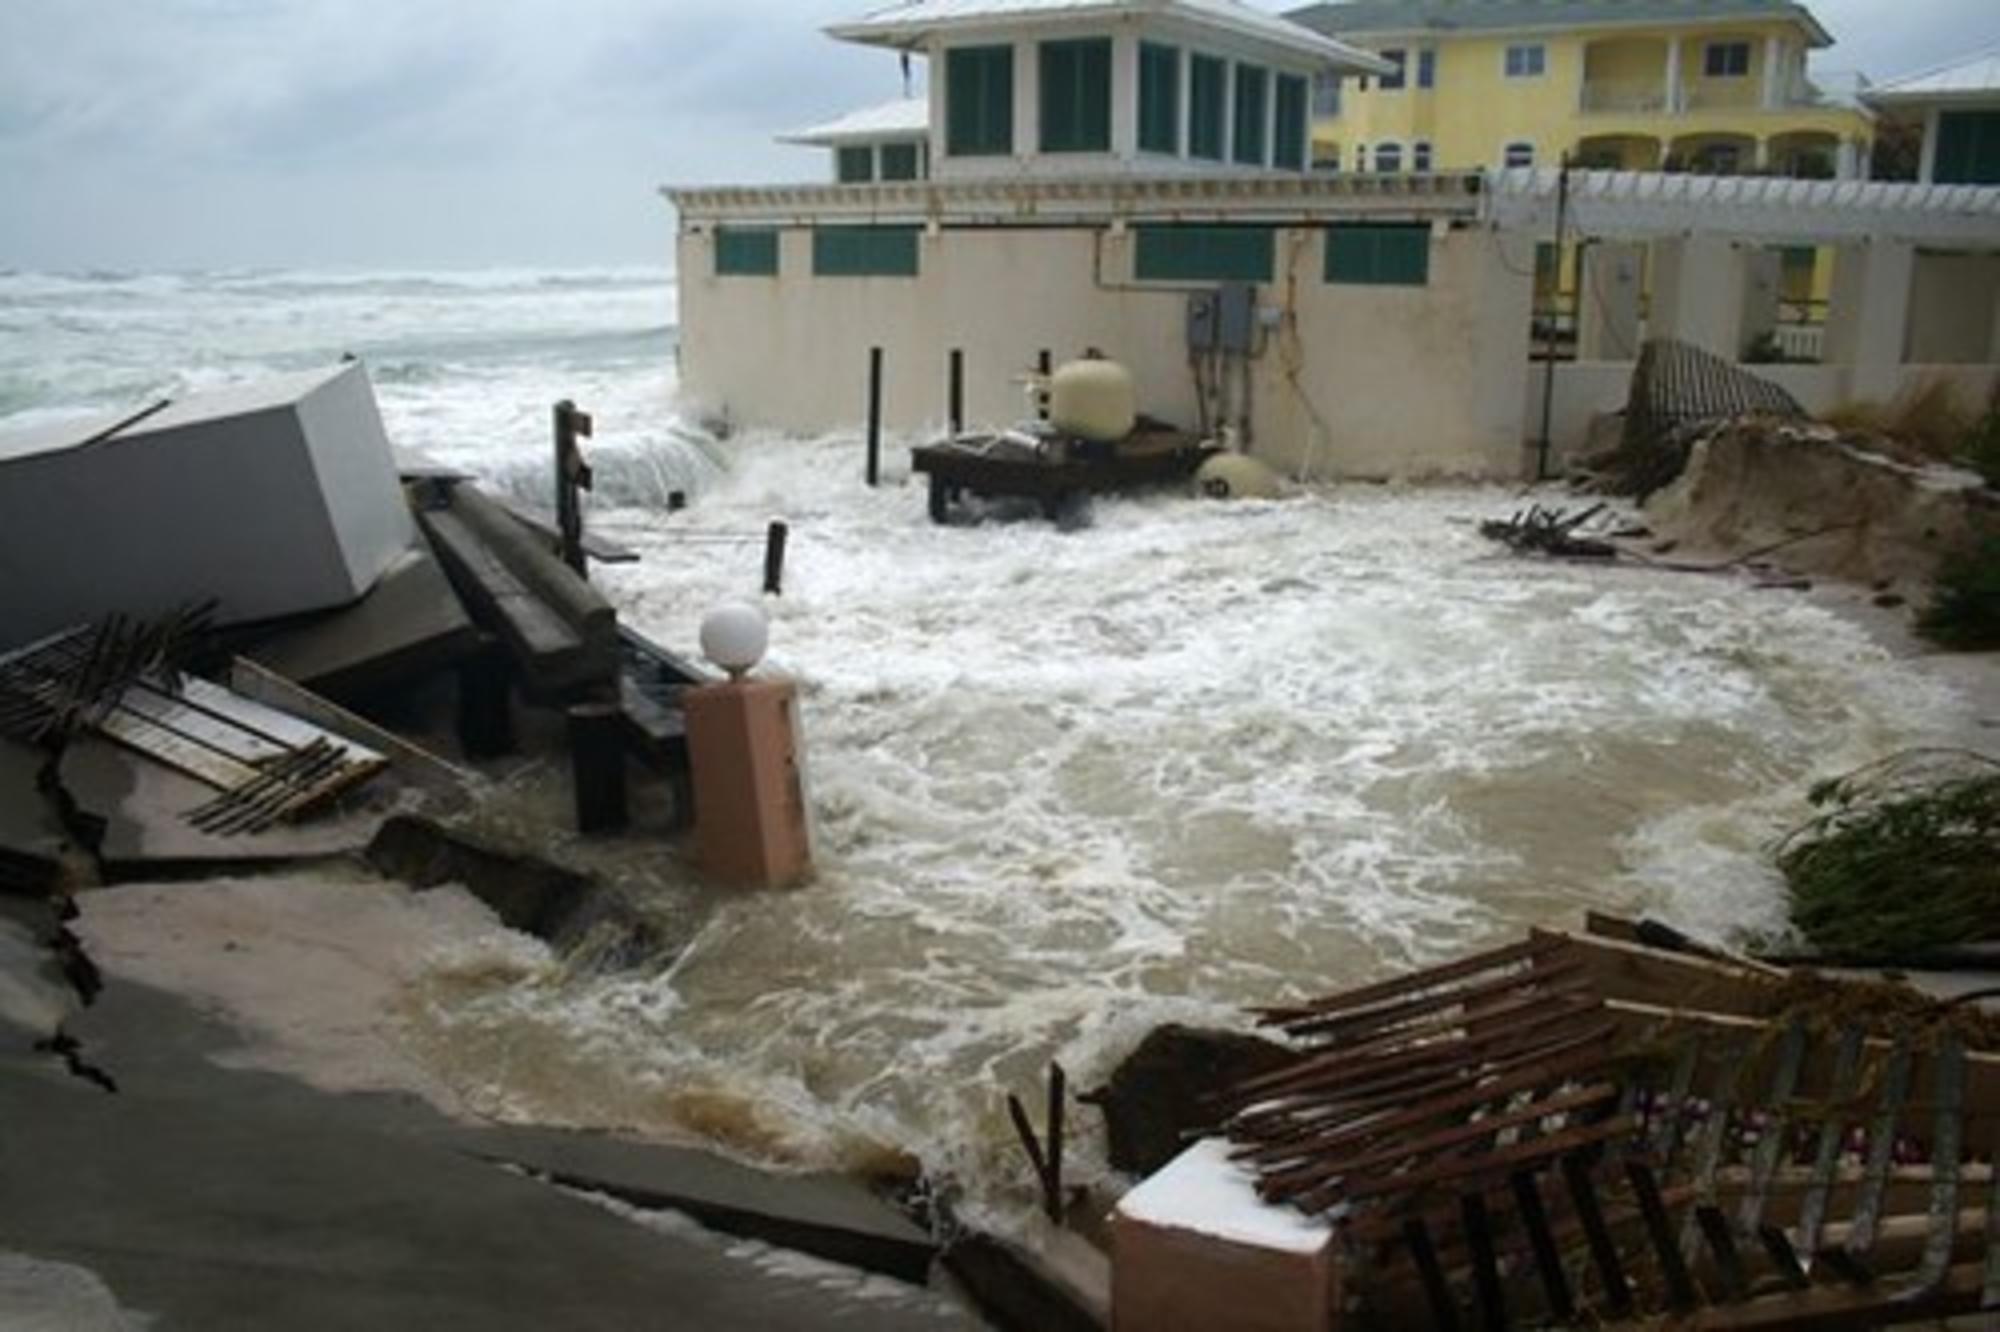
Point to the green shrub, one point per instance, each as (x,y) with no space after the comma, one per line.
(1903,859)
(1982,449)
(1964,613)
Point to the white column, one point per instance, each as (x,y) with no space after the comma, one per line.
(1673,75)
(934,60)
(1845,161)
(1125,96)
(1183,136)
(1774,55)
(1933,126)
(1698,294)
(1271,117)
(1027,100)
(1868,327)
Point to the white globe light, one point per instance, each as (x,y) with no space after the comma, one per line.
(734,636)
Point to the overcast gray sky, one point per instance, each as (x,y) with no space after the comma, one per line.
(142,134)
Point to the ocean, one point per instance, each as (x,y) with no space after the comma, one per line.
(1067,784)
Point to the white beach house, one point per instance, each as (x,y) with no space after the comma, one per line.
(1100,173)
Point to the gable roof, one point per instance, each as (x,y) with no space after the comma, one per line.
(1373,17)
(910,21)
(904,118)
(1975,78)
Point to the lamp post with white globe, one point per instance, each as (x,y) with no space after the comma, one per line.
(750,822)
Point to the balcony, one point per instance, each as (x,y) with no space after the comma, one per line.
(1624,97)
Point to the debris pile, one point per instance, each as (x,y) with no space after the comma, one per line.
(1583,1130)
(1551,532)
(1679,392)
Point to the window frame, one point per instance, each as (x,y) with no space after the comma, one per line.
(1082,109)
(916,160)
(1394,150)
(891,244)
(731,260)
(1223,266)
(1291,127)
(1422,157)
(847,154)
(1507,155)
(1327,92)
(1158,60)
(1398,56)
(982,139)
(1540,63)
(1377,254)
(1250,139)
(1427,60)
(1200,126)
(1710,50)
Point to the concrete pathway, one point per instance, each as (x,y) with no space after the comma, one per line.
(214,1200)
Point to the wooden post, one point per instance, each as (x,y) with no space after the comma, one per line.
(572,476)
(874,416)
(955,395)
(1046,364)
(485,702)
(774,559)
(597,767)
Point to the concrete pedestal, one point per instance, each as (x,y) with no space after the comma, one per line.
(749,792)
(1194,1249)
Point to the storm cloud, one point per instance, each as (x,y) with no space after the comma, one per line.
(224,133)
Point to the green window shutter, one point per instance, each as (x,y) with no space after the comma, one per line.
(864,251)
(1366,255)
(1076,96)
(746,251)
(979,101)
(1204,254)
(1251,100)
(899,161)
(1207,78)
(1288,145)
(855,166)
(1159,98)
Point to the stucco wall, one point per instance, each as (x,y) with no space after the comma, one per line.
(1353,381)
(1954,300)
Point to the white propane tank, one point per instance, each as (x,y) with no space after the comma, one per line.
(1093,399)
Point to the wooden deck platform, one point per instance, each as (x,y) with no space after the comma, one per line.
(1054,470)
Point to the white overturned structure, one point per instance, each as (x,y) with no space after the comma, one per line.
(275,499)
(1125,175)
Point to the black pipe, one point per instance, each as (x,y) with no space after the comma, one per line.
(956,393)
(874,416)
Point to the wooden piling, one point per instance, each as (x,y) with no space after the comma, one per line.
(775,538)
(597,767)
(1045,362)
(874,416)
(572,478)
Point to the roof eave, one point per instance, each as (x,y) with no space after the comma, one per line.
(1816,34)
(1330,51)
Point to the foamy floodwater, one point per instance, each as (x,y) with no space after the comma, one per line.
(1069,785)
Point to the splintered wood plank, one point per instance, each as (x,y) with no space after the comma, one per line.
(259,719)
(176,751)
(202,728)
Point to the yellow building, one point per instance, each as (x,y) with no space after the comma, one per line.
(1714,87)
